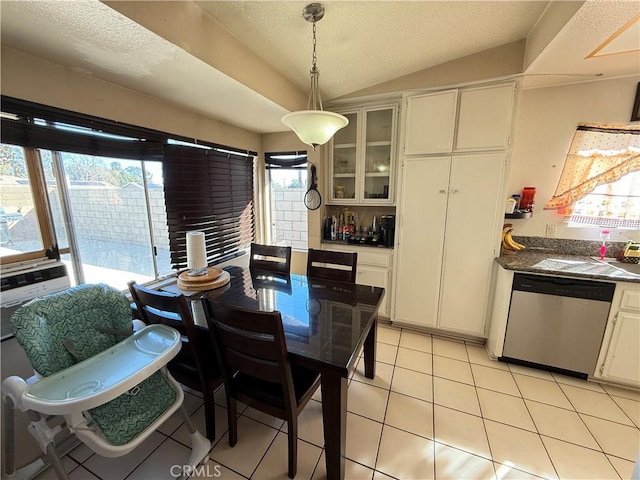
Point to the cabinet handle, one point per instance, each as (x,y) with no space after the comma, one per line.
(454,191)
(442,191)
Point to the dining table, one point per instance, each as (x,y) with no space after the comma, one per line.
(327,324)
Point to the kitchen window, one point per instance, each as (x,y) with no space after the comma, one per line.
(600,181)
(286,177)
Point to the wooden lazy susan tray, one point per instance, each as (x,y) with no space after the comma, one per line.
(214,278)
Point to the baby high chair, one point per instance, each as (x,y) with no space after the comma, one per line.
(110,384)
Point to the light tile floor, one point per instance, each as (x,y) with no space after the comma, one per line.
(436,409)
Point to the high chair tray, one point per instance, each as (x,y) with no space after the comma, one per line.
(105,376)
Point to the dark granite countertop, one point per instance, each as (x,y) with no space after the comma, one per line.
(347,244)
(549,263)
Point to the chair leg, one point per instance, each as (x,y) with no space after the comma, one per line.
(292,436)
(210,416)
(53,457)
(200,446)
(187,419)
(232,418)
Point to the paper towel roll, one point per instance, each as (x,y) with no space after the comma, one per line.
(196,250)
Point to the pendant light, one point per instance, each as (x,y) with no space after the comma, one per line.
(314,126)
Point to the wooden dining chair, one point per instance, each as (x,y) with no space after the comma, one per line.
(334,265)
(270,257)
(196,366)
(256,368)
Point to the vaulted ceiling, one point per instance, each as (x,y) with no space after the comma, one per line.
(247,62)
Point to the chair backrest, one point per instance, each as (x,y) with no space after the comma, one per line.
(270,257)
(58,330)
(252,343)
(171,309)
(155,306)
(330,260)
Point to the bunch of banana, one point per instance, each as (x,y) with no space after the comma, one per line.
(508,243)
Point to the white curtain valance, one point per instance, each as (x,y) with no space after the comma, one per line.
(598,154)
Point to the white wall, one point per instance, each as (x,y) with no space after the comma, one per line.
(545,123)
(31,78)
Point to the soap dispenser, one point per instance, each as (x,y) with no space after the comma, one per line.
(604,236)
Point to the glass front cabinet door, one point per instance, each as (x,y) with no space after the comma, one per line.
(362,157)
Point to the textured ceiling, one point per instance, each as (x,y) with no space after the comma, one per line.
(360,44)
(602,38)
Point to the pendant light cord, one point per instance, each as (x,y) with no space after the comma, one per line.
(315,101)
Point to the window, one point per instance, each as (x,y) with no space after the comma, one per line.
(106,207)
(209,190)
(287,182)
(22,232)
(600,182)
(115,217)
(615,205)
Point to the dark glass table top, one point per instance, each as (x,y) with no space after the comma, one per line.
(325,321)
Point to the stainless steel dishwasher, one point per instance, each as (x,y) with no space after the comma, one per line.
(557,323)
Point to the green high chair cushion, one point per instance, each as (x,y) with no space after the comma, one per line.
(61,329)
(152,398)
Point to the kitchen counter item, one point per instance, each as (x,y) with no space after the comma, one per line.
(565,265)
(215,280)
(379,244)
(631,253)
(388,226)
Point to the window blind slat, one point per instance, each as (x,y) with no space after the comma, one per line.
(211,192)
(50,138)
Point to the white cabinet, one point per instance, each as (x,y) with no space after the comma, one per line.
(619,359)
(374,269)
(430,123)
(448,231)
(451,206)
(484,118)
(471,119)
(362,157)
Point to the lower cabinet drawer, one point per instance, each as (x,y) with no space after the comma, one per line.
(630,300)
(376,277)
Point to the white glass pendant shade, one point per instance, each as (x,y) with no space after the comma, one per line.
(315,127)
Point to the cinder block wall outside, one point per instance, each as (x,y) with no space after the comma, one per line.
(289,217)
(101,213)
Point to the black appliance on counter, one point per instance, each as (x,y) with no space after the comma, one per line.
(388,227)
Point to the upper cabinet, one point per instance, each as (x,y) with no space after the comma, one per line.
(482,116)
(430,121)
(362,157)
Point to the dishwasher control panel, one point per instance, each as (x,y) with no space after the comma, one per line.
(564,287)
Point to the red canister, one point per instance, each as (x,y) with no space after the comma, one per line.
(528,199)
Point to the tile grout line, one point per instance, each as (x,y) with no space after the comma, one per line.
(433,408)
(611,397)
(484,425)
(384,417)
(536,425)
(582,419)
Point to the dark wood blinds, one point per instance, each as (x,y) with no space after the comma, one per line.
(212,192)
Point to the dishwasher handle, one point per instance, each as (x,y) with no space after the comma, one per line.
(564,287)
